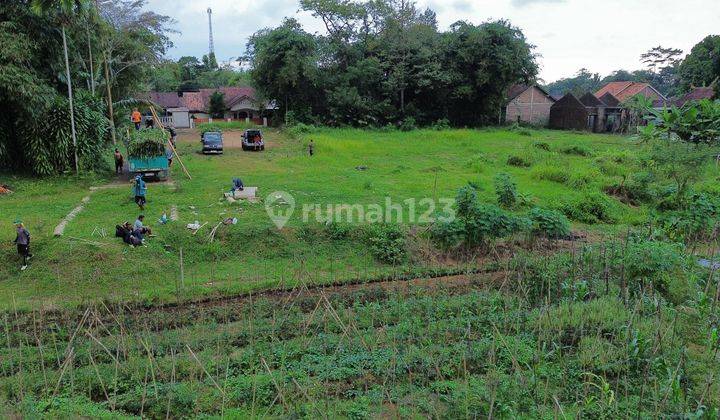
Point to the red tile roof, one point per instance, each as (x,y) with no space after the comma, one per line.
(625,90)
(198,101)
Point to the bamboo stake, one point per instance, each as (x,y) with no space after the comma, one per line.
(155,115)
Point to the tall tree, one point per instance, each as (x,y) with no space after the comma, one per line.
(283,65)
(64,10)
(702,66)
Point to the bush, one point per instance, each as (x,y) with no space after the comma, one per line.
(299,129)
(476,224)
(542,145)
(577,151)
(650,262)
(696,221)
(387,242)
(581,178)
(633,189)
(518,161)
(408,124)
(549,223)
(590,208)
(550,173)
(506,190)
(520,130)
(441,124)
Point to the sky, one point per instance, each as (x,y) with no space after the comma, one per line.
(600,35)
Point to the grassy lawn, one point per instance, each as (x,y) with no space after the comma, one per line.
(253,254)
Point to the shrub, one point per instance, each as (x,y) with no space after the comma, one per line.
(441,124)
(518,161)
(542,145)
(577,150)
(476,224)
(549,223)
(581,178)
(387,242)
(695,221)
(408,124)
(633,189)
(299,129)
(506,190)
(590,208)
(550,173)
(651,262)
(520,130)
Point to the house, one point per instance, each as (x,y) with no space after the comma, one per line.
(626,90)
(569,113)
(697,94)
(184,109)
(528,104)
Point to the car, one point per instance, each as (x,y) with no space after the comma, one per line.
(212,142)
(253,140)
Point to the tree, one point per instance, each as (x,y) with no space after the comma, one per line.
(217,105)
(662,65)
(583,81)
(702,66)
(483,62)
(283,65)
(64,9)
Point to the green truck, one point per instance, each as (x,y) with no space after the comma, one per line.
(156,167)
(147,154)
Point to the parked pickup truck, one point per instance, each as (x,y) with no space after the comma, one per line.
(156,167)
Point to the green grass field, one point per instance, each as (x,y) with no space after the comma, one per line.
(253,254)
(620,321)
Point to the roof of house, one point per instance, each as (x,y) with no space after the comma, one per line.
(625,90)
(569,101)
(590,100)
(696,95)
(610,100)
(199,101)
(516,90)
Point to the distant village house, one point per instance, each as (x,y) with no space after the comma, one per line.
(602,111)
(528,104)
(185,109)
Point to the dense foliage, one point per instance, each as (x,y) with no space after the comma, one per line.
(146,143)
(384,62)
(35,129)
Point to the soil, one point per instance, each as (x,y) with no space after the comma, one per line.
(232,139)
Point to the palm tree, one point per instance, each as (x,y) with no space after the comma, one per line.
(64,9)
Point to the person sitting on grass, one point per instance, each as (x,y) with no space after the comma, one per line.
(141,230)
(22,240)
(139,189)
(125,231)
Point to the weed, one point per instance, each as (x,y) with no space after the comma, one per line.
(519,161)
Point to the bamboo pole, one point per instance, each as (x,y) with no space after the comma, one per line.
(155,116)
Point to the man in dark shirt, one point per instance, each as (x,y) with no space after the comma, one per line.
(22,240)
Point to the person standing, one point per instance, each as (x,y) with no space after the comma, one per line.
(311,148)
(173,135)
(22,240)
(139,190)
(136,118)
(118,162)
(169,155)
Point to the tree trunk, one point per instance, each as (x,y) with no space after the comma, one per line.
(109,100)
(92,68)
(70,97)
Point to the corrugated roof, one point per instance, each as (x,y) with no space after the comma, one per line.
(696,94)
(516,90)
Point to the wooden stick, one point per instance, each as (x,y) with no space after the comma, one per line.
(198,229)
(155,115)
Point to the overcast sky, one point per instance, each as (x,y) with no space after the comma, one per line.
(600,35)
